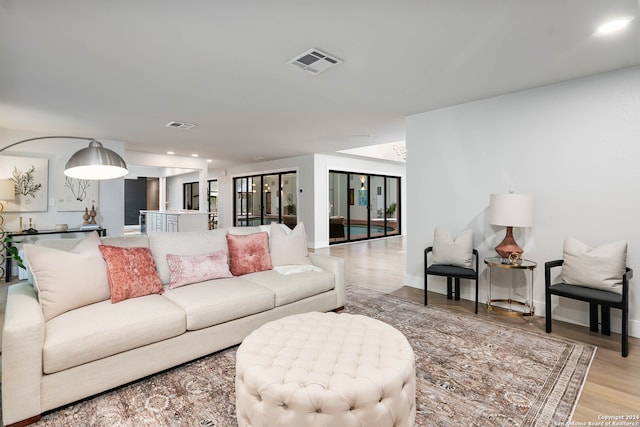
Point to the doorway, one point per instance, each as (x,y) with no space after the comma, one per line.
(363,206)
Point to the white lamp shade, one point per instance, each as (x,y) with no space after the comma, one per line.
(511,210)
(7,190)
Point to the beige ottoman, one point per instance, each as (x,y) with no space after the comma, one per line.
(325,369)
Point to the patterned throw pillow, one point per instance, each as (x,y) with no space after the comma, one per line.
(131,272)
(249,253)
(188,269)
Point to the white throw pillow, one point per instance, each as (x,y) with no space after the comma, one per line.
(458,251)
(600,268)
(288,247)
(66,280)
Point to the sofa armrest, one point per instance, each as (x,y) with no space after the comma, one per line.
(22,345)
(335,265)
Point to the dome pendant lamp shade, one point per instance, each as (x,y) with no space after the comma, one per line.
(95,162)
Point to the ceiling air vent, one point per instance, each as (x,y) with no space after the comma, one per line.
(180,125)
(315,61)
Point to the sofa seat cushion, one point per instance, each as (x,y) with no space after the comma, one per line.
(217,301)
(103,329)
(293,287)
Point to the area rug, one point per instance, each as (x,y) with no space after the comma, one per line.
(471,371)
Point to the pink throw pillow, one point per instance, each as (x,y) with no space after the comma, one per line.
(187,269)
(131,272)
(249,253)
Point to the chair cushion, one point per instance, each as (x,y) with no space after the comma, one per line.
(452,271)
(458,251)
(599,268)
(585,293)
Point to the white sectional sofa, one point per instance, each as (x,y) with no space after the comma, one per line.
(49,361)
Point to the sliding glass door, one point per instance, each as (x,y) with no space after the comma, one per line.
(263,199)
(363,206)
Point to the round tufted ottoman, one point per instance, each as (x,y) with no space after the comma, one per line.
(325,369)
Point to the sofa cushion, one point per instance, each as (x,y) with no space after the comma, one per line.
(293,287)
(133,241)
(103,329)
(217,301)
(66,280)
(131,271)
(184,243)
(288,247)
(249,253)
(252,229)
(188,269)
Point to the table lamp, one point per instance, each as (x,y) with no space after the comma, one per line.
(510,210)
(7,193)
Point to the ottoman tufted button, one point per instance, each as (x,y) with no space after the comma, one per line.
(319,367)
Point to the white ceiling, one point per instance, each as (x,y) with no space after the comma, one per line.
(122,69)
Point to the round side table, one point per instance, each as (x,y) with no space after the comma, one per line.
(511,304)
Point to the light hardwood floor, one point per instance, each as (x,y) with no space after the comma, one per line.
(611,387)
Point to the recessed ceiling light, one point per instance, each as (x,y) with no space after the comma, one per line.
(614,25)
(194,155)
(170,152)
(208,160)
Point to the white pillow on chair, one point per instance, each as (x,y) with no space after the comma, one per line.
(449,251)
(600,268)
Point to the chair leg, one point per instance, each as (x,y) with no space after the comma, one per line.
(457,288)
(593,316)
(449,290)
(476,296)
(425,288)
(605,318)
(625,332)
(547,307)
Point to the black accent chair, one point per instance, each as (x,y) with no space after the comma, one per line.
(450,272)
(595,297)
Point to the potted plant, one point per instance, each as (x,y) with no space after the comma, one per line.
(291,207)
(12,252)
(391,209)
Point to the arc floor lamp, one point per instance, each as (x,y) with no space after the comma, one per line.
(94,162)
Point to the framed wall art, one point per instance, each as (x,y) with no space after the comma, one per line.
(73,195)
(30,176)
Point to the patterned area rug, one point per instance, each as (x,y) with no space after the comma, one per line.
(471,371)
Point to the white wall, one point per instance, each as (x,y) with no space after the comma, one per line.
(575,146)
